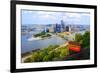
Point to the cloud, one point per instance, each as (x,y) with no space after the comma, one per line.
(73,15)
(26,11)
(56,17)
(86,14)
(45,13)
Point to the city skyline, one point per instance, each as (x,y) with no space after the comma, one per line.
(30,17)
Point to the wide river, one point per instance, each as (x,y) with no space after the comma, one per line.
(27,45)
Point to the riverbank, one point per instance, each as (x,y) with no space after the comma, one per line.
(40,36)
(51,50)
(34,38)
(26,55)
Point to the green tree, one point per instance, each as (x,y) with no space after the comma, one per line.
(46,58)
(56,59)
(86,40)
(42,54)
(78,38)
(28,60)
(35,57)
(64,52)
(57,53)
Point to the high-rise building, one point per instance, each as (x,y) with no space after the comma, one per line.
(70,28)
(57,28)
(67,28)
(62,26)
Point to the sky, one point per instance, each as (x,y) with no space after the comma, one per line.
(30,17)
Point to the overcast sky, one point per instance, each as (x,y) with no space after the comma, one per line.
(48,17)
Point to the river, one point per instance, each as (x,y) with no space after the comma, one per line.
(27,46)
